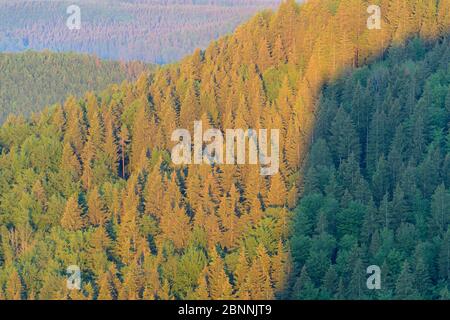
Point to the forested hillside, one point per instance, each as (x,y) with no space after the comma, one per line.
(377,181)
(33,80)
(91,183)
(154,31)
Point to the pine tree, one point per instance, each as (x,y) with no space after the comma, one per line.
(423,280)
(343,136)
(357,285)
(128,233)
(189,107)
(75,131)
(72,218)
(280,269)
(261,284)
(124,137)
(304,288)
(96,214)
(13,286)
(218,282)
(427,11)
(175,226)
(277,192)
(110,145)
(141,137)
(405,286)
(70,163)
(330,284)
(201,292)
(440,210)
(444,257)
(241,272)
(444,16)
(154,196)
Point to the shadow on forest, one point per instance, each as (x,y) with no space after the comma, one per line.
(377,181)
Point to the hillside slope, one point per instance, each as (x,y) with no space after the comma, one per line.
(377,181)
(91,183)
(32,80)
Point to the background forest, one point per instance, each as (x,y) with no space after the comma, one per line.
(32,80)
(364,125)
(153,31)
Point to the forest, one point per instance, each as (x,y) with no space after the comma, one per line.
(153,31)
(377,181)
(32,80)
(364,120)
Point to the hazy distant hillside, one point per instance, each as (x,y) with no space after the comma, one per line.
(32,80)
(156,31)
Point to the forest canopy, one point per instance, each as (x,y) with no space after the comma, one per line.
(364,127)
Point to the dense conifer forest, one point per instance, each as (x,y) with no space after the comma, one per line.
(364,120)
(377,181)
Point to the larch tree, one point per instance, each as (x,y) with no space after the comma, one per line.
(96,213)
(218,281)
(72,218)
